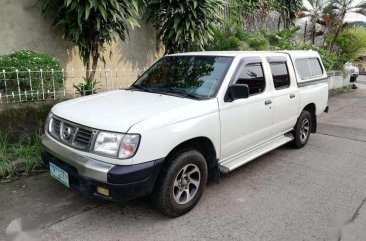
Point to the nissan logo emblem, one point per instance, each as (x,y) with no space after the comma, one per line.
(66,132)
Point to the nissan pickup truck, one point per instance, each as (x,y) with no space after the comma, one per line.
(188,119)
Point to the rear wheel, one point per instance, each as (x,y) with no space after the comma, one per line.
(302,130)
(181,183)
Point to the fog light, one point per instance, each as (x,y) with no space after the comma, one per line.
(103,191)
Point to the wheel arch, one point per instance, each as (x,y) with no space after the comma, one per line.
(311,108)
(206,147)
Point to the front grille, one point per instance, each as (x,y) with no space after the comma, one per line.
(83,137)
(71,134)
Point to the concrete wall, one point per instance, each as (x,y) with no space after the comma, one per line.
(22,26)
(337,80)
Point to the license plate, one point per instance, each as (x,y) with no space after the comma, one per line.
(59,174)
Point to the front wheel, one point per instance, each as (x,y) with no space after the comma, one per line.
(302,130)
(181,183)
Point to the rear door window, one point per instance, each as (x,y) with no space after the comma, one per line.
(280,75)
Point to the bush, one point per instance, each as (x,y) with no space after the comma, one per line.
(232,37)
(258,41)
(283,39)
(224,40)
(349,41)
(30,60)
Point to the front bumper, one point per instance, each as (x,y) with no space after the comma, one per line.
(86,174)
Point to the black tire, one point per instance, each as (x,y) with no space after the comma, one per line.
(300,139)
(164,196)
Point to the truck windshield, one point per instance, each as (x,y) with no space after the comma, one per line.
(197,77)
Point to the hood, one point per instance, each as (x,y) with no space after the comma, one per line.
(118,110)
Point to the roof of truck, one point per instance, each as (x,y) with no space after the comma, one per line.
(297,53)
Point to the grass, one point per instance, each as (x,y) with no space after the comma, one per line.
(342,90)
(27,152)
(6,167)
(20,144)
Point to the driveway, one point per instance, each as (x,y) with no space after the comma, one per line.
(315,193)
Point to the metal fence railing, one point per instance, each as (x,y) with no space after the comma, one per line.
(22,86)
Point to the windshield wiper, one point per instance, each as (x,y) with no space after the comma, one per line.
(140,87)
(181,92)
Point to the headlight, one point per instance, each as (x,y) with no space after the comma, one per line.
(116,145)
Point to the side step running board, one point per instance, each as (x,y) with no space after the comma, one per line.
(246,156)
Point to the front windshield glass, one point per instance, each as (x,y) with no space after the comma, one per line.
(191,76)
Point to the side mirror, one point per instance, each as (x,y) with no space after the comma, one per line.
(237,91)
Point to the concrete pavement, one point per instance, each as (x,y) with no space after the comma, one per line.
(315,193)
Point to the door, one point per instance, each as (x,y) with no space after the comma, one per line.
(285,95)
(246,122)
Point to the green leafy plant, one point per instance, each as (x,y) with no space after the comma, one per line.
(283,39)
(6,167)
(243,12)
(23,61)
(257,41)
(288,10)
(184,25)
(349,41)
(341,9)
(231,37)
(26,153)
(29,152)
(88,87)
(227,38)
(91,24)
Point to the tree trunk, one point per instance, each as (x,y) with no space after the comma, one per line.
(87,70)
(338,31)
(306,25)
(94,67)
(335,38)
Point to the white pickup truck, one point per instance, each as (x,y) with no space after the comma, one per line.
(187,119)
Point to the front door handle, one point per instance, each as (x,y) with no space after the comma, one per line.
(292,96)
(268,102)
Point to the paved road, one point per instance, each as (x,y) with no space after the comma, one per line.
(315,193)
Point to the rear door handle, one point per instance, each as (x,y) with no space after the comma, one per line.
(292,96)
(268,102)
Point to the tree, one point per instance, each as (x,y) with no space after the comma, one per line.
(349,41)
(341,9)
(184,25)
(288,10)
(314,11)
(90,24)
(245,13)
